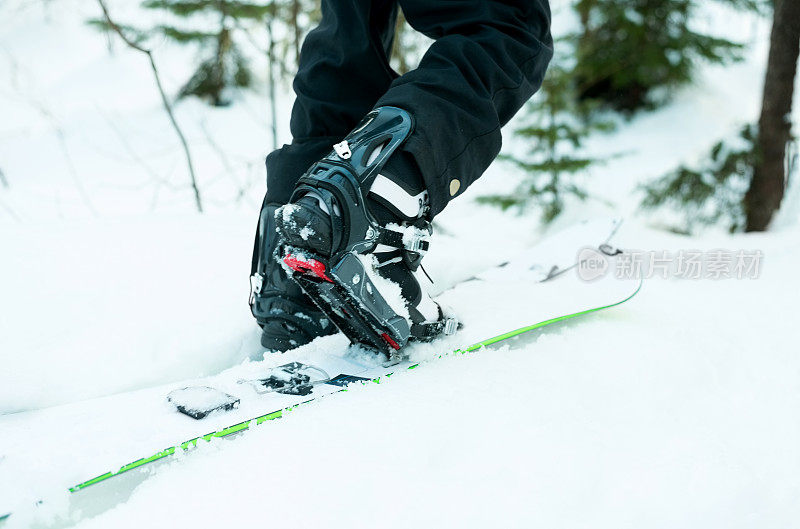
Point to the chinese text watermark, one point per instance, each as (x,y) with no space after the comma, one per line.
(681,264)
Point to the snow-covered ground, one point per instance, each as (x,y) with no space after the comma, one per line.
(679,409)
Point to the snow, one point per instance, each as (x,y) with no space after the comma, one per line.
(306,232)
(389,290)
(598,423)
(100,308)
(678,409)
(200,398)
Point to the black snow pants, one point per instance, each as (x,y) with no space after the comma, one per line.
(487,59)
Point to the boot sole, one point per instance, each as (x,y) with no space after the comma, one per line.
(354,306)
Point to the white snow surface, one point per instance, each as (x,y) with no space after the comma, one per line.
(94,308)
(678,409)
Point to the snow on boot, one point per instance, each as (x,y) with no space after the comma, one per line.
(355,232)
(288,318)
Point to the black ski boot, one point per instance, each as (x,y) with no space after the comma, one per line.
(288,318)
(355,231)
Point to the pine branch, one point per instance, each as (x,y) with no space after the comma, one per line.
(181,36)
(180,7)
(102,24)
(186,8)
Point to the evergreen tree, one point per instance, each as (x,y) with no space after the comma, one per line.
(775,127)
(713,192)
(557,125)
(630,53)
(742,183)
(223,65)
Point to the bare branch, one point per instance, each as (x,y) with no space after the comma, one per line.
(230,170)
(270,56)
(164,99)
(131,151)
(3,179)
(11,212)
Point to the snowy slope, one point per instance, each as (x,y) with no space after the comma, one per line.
(105,307)
(671,411)
(677,410)
(130,303)
(103,434)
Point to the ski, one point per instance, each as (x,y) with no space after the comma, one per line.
(280,413)
(534,288)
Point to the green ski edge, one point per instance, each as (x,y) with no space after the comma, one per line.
(246,425)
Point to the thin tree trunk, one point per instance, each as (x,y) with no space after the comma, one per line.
(3,180)
(297,31)
(774,126)
(271,82)
(164,100)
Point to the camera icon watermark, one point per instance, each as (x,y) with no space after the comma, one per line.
(592,264)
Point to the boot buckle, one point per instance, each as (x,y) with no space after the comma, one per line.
(415,239)
(256,283)
(343,150)
(418,242)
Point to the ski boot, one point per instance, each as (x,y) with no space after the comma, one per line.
(354,234)
(287,317)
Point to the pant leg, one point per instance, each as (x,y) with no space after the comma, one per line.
(489,57)
(344,69)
